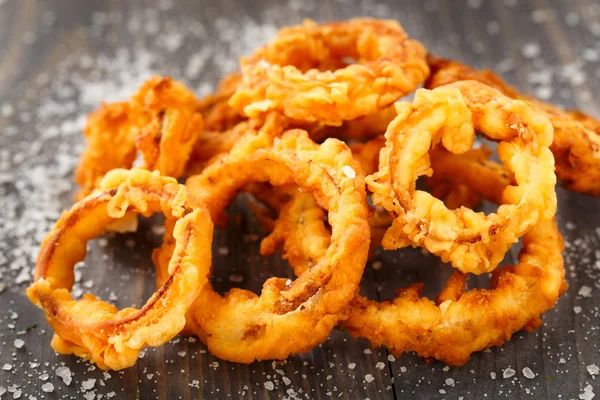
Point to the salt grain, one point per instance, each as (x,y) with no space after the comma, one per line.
(528,373)
(585,291)
(593,369)
(7,367)
(88,384)
(508,373)
(380,365)
(269,385)
(64,373)
(531,50)
(577,309)
(369,378)
(349,172)
(47,388)
(18,343)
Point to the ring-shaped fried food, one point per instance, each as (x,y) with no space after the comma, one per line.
(161,120)
(471,241)
(307,73)
(458,323)
(576,144)
(94,329)
(289,316)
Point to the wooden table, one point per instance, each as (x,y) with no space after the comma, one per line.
(59,59)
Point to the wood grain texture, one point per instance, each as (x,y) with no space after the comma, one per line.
(481,33)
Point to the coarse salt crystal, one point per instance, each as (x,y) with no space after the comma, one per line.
(593,369)
(528,373)
(88,384)
(269,385)
(508,373)
(349,172)
(65,374)
(18,343)
(351,365)
(7,367)
(531,50)
(47,388)
(577,309)
(493,375)
(369,378)
(391,358)
(380,365)
(585,291)
(450,382)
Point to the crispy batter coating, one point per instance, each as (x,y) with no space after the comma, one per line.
(162,121)
(450,115)
(288,317)
(307,72)
(576,145)
(94,329)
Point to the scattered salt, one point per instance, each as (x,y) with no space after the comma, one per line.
(18,343)
(593,369)
(269,385)
(369,378)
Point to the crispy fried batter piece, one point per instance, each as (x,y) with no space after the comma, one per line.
(288,317)
(162,121)
(307,73)
(96,330)
(576,145)
(450,115)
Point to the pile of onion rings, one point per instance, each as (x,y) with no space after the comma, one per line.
(309,130)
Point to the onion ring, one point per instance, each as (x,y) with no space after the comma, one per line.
(471,241)
(576,144)
(96,330)
(292,73)
(288,317)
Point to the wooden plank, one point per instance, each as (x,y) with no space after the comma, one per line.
(183,369)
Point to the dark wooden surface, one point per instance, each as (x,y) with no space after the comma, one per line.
(59,58)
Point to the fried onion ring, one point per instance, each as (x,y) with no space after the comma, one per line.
(576,145)
(288,317)
(292,74)
(472,242)
(96,330)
